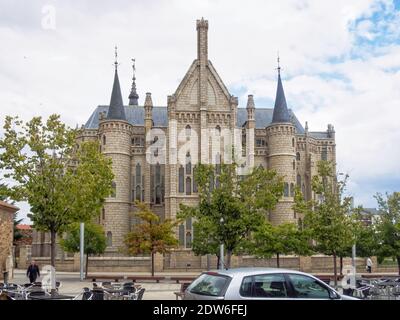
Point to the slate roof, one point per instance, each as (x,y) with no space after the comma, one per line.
(281,112)
(135,116)
(117,110)
(319,135)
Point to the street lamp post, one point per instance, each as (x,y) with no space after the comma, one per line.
(81,248)
(221,252)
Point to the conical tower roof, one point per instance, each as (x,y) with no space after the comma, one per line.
(116,111)
(281,112)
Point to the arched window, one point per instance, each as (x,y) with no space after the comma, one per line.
(194,180)
(182,235)
(104,140)
(293,142)
(218,130)
(294,165)
(188,239)
(298,181)
(158,174)
(109,239)
(292,189)
(188,186)
(298,156)
(158,195)
(103,213)
(324,154)
(181,179)
(188,131)
(114,189)
(286,190)
(188,163)
(138,173)
(218,163)
(189,224)
(138,193)
(303,191)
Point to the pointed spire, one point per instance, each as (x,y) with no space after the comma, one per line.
(281,113)
(116,110)
(133,96)
(250,107)
(250,102)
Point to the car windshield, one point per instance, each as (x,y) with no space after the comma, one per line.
(209,284)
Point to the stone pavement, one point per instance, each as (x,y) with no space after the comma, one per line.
(71,285)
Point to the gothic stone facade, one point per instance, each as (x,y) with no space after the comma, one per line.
(147,144)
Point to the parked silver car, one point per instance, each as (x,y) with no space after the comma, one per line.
(260,284)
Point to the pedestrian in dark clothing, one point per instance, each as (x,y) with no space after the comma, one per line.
(33,272)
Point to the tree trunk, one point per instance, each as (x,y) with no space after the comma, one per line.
(228,259)
(277,260)
(218,261)
(87,265)
(208,262)
(398,263)
(152,264)
(341,266)
(335,269)
(53,248)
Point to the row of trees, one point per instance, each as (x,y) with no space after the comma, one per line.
(232,211)
(65,184)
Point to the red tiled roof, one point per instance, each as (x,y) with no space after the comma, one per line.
(24,227)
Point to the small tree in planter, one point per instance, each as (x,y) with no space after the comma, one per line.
(150,235)
(94,241)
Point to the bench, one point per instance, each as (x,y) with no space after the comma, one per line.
(139,278)
(101,277)
(95,278)
(185,279)
(181,293)
(327,279)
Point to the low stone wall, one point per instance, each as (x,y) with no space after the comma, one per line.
(184,260)
(99,264)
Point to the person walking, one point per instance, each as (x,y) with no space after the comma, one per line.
(33,271)
(369,265)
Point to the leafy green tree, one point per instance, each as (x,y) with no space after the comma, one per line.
(204,242)
(286,238)
(17,233)
(389,227)
(150,235)
(63,182)
(94,240)
(327,218)
(231,207)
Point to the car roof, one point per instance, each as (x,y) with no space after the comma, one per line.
(252,271)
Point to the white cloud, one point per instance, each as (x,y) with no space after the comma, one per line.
(69,70)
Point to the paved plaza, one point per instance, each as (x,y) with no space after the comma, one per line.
(71,285)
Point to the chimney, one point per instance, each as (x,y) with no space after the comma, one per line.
(202,40)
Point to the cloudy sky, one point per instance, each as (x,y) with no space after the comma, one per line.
(340,61)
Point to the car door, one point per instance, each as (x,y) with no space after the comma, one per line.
(270,286)
(304,287)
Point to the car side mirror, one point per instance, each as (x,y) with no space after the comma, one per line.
(333,295)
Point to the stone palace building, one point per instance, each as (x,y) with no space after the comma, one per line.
(154,149)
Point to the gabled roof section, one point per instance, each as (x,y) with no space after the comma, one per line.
(186,78)
(218,79)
